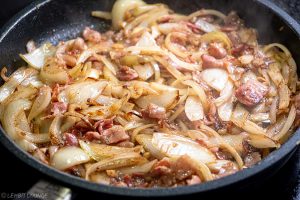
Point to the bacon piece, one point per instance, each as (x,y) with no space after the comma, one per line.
(154,111)
(114,135)
(103,124)
(92,135)
(211,62)
(251,92)
(217,51)
(59,108)
(125,73)
(70,139)
(91,35)
(252,158)
(162,167)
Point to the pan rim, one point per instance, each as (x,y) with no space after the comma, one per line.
(287,148)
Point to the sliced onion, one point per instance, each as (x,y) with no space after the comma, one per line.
(139,169)
(172,70)
(41,102)
(14,80)
(284,96)
(67,157)
(217,36)
(262,141)
(22,93)
(167,99)
(273,110)
(215,78)
(225,110)
(101,151)
(194,109)
(144,71)
(249,75)
(205,26)
(145,45)
(33,81)
(222,165)
(200,92)
(183,65)
(246,59)
(240,119)
(288,124)
(105,101)
(146,40)
(119,9)
(146,142)
(102,14)
(109,64)
(53,73)
(275,74)
(225,94)
(167,28)
(11,116)
(174,47)
(176,146)
(118,161)
(236,141)
(55,131)
(81,92)
(260,117)
(223,144)
(34,138)
(36,58)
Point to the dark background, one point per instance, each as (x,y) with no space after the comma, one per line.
(17,177)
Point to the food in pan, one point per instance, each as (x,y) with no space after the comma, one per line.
(161,99)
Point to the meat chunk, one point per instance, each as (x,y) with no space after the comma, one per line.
(162,167)
(59,108)
(216,50)
(251,93)
(126,73)
(92,135)
(91,35)
(103,124)
(154,112)
(252,158)
(194,180)
(70,139)
(114,134)
(234,38)
(233,20)
(183,167)
(211,62)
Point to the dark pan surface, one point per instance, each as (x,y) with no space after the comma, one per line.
(61,20)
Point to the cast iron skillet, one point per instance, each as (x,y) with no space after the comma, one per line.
(51,20)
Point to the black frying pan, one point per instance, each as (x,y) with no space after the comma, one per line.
(51,20)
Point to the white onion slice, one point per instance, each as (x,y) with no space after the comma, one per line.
(81,92)
(215,78)
(225,111)
(41,102)
(194,109)
(14,80)
(67,157)
(119,9)
(36,58)
(176,146)
(166,99)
